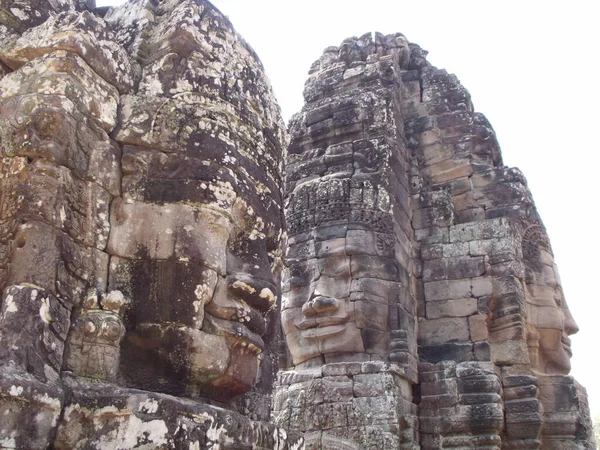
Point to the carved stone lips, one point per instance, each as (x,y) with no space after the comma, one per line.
(566,342)
(318,327)
(321,322)
(321,331)
(239,333)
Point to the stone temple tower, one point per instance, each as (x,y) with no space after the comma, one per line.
(421,304)
(148,192)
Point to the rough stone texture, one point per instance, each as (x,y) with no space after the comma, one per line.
(140,229)
(142,235)
(349,293)
(348,405)
(399,207)
(105,416)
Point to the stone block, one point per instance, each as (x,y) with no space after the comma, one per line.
(441,331)
(326,233)
(429,137)
(366,266)
(510,352)
(470,215)
(52,130)
(478,327)
(440,387)
(335,389)
(374,385)
(66,74)
(34,326)
(464,201)
(64,267)
(302,251)
(160,421)
(435,404)
(451,308)
(480,247)
(486,229)
(177,232)
(456,249)
(481,286)
(371,315)
(457,352)
(432,217)
(333,247)
(82,33)
(434,153)
(432,236)
(431,251)
(52,195)
(447,290)
(379,410)
(447,170)
(453,268)
(300,274)
(30,410)
(341,369)
(376,290)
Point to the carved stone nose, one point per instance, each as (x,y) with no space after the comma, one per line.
(571,326)
(320,305)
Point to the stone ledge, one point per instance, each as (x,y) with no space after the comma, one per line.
(102,414)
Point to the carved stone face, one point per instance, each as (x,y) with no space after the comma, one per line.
(319,318)
(199,318)
(332,309)
(550,322)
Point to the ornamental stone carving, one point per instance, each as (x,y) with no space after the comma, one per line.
(93,347)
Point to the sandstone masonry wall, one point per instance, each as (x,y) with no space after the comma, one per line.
(475,268)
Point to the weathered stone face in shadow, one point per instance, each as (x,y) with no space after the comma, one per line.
(202,153)
(141,229)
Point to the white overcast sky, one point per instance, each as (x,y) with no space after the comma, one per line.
(532,67)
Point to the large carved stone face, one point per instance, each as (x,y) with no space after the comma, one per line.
(204,279)
(550,322)
(334,308)
(203,167)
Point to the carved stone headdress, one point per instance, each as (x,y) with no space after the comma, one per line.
(339,201)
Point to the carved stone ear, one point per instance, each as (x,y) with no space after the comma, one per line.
(533,338)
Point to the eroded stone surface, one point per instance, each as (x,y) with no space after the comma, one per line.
(142,235)
(105,416)
(141,229)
